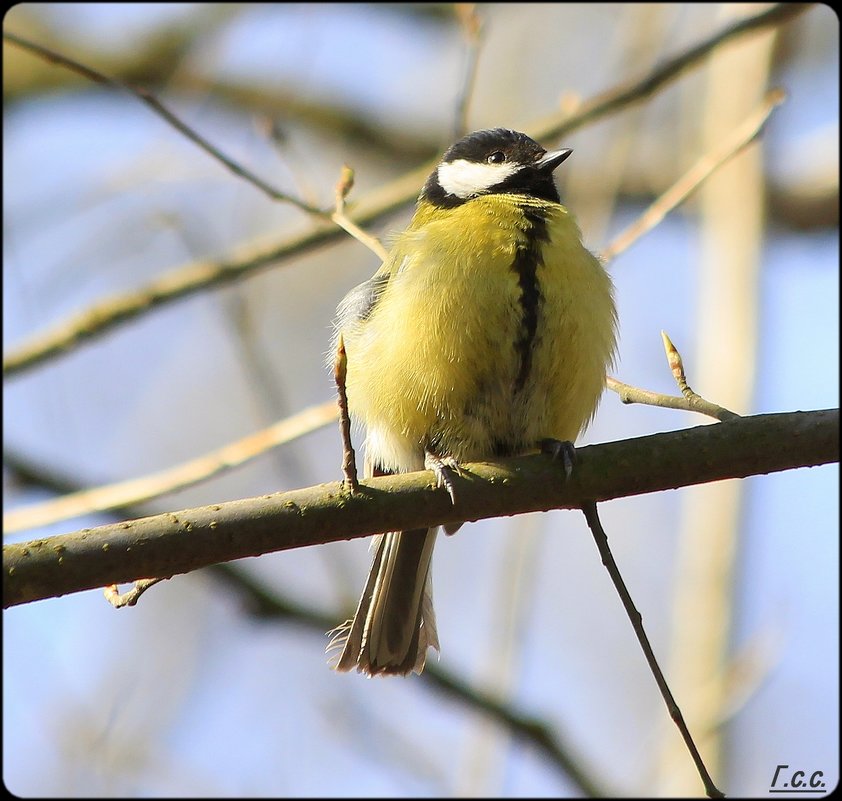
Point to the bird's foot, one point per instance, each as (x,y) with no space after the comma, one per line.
(560,450)
(446,468)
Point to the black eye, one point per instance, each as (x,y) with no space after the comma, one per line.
(497,157)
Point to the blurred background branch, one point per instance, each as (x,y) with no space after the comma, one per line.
(112,311)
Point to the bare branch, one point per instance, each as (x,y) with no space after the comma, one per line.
(696,401)
(601,540)
(172,543)
(635,91)
(148,99)
(190,279)
(195,277)
(708,164)
(349,461)
(629,394)
(690,401)
(343,187)
(140,490)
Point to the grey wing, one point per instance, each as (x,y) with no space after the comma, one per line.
(358,304)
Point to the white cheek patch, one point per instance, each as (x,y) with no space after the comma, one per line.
(465,179)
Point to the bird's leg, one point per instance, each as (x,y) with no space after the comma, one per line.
(560,450)
(445,469)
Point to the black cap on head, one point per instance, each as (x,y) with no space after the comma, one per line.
(477,146)
(493,161)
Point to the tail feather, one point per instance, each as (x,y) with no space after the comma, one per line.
(394,623)
(349,635)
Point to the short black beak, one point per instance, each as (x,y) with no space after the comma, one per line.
(549,161)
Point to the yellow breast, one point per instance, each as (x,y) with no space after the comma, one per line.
(439,362)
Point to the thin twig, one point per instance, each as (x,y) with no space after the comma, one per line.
(689,401)
(267,604)
(132,596)
(637,90)
(343,187)
(630,394)
(145,488)
(592,516)
(349,463)
(741,137)
(146,97)
(697,402)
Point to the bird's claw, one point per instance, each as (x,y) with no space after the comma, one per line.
(562,450)
(445,469)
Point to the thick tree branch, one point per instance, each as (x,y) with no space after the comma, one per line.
(177,542)
(265,603)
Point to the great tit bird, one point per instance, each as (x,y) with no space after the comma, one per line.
(488,329)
